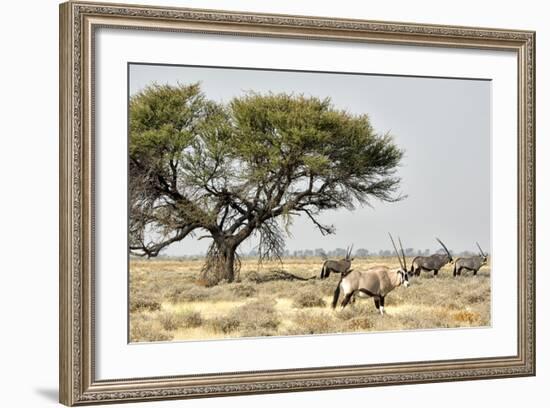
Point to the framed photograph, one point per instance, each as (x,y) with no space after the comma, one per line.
(255,203)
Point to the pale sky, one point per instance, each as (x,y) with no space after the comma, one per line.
(444,126)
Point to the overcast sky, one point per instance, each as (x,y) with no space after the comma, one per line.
(443,125)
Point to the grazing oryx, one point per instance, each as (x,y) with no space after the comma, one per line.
(473,263)
(431,263)
(340,266)
(375,282)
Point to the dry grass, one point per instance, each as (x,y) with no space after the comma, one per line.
(171,321)
(253,319)
(308,298)
(312,322)
(167,302)
(145,327)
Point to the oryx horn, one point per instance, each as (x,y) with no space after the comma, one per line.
(444,247)
(481,250)
(396,251)
(402,253)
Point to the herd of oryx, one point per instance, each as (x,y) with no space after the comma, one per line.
(378,281)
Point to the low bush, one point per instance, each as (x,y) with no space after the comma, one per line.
(140,301)
(356,311)
(192,293)
(465,316)
(192,319)
(143,328)
(224,324)
(359,323)
(255,318)
(308,299)
(313,323)
(177,320)
(244,290)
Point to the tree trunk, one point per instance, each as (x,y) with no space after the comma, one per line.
(228,257)
(221,262)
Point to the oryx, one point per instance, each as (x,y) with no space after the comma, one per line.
(431,263)
(473,263)
(340,266)
(375,282)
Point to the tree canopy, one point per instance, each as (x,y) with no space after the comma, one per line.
(228,171)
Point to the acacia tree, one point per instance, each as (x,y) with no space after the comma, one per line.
(228,172)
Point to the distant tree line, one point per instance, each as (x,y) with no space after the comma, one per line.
(341,253)
(359,253)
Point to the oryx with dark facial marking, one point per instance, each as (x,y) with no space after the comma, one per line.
(472,263)
(375,282)
(343,265)
(431,263)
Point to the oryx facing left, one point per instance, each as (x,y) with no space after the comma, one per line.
(375,282)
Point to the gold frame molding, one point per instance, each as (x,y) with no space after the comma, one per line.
(78,22)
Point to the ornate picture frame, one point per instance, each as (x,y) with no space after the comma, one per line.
(79,22)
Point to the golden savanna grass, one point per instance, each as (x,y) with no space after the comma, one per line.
(168,302)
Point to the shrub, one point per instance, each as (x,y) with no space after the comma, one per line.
(191,294)
(192,319)
(169,321)
(325,287)
(256,318)
(140,301)
(308,299)
(466,316)
(479,295)
(222,291)
(243,290)
(224,324)
(144,329)
(359,323)
(313,323)
(253,277)
(355,311)
(176,320)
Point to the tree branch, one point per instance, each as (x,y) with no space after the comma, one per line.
(153,250)
(324,229)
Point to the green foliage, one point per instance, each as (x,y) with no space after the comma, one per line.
(161,123)
(307,138)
